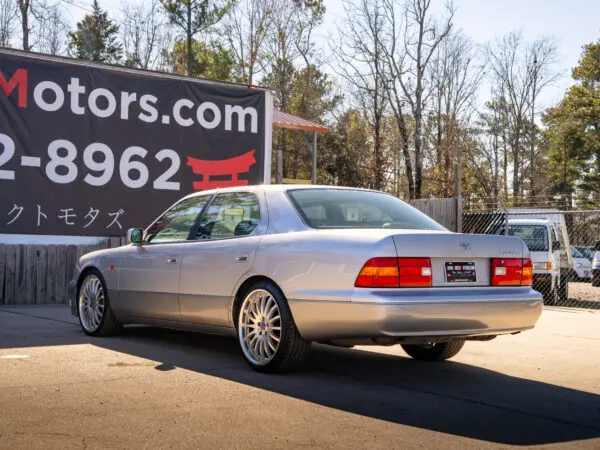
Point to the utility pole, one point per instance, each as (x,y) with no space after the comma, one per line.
(279,171)
(458,192)
(314,174)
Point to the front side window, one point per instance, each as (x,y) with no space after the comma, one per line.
(229,215)
(177,222)
(534,236)
(341,208)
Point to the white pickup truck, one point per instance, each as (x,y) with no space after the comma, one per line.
(545,234)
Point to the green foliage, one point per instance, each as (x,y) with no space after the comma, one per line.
(208,61)
(96,38)
(193,17)
(574,133)
(345,151)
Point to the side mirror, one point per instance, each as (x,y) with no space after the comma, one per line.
(556,245)
(135,236)
(597,247)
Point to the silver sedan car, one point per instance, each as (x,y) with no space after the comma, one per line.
(280,267)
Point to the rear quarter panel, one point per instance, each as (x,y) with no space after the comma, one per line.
(314,265)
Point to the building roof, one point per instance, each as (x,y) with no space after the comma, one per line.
(285,120)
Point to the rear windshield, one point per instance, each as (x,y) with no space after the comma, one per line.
(337,208)
(534,236)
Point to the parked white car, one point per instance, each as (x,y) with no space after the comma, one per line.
(581,265)
(596,267)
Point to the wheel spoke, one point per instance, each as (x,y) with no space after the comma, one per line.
(273,336)
(271,344)
(263,352)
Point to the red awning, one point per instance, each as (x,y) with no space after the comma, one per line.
(285,120)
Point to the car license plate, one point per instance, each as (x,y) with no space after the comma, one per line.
(461,272)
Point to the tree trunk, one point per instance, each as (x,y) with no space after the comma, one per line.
(406,152)
(516,162)
(378,156)
(189,38)
(24,8)
(532,189)
(418,163)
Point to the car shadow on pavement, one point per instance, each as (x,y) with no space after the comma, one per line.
(448,397)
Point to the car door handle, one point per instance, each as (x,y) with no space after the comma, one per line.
(172,260)
(242,258)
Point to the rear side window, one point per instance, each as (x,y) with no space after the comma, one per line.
(229,215)
(341,208)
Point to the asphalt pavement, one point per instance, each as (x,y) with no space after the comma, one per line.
(152,388)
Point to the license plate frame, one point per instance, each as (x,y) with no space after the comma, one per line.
(460,272)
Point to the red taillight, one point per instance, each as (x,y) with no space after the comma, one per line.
(395,272)
(415,272)
(511,272)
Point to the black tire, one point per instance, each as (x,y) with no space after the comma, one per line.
(563,290)
(596,281)
(550,296)
(109,325)
(434,352)
(293,348)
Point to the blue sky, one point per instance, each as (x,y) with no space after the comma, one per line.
(573,22)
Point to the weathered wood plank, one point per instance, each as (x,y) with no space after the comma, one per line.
(20,282)
(9,278)
(51,275)
(440,210)
(41,274)
(70,263)
(2,274)
(61,274)
(29,275)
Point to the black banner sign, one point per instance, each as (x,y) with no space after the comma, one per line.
(91,151)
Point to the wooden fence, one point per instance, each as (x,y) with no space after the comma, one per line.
(443,211)
(40,274)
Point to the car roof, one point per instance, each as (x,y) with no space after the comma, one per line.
(275,188)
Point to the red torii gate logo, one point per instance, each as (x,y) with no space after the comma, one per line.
(232,166)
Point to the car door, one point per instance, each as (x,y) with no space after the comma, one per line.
(220,253)
(149,273)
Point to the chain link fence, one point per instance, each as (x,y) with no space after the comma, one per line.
(563,247)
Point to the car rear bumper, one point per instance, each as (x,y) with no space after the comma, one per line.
(413,313)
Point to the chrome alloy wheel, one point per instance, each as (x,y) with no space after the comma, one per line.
(259,327)
(91,303)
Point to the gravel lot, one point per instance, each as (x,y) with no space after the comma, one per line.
(585,292)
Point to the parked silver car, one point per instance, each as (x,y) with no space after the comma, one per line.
(283,266)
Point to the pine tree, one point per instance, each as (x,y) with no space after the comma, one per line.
(96,38)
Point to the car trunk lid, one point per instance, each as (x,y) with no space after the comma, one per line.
(457,259)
